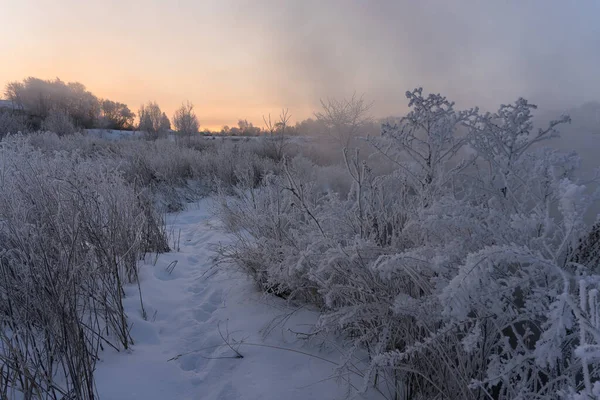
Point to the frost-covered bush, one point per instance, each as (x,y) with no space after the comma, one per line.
(233,162)
(71,233)
(173,172)
(59,122)
(467,272)
(76,214)
(12,122)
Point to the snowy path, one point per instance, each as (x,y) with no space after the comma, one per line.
(191,309)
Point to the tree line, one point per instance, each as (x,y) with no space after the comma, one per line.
(64,107)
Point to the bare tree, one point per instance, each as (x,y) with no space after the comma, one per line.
(277,132)
(344,118)
(185,120)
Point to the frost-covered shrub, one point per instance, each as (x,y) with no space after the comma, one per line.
(12,122)
(230,163)
(59,122)
(76,213)
(464,274)
(71,233)
(200,143)
(173,173)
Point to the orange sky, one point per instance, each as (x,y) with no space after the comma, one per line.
(136,51)
(244,58)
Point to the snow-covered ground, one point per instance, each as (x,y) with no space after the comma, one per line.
(181,350)
(111,134)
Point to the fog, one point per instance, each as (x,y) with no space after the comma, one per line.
(242,59)
(476,53)
(447,254)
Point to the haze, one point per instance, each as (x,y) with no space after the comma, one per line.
(243,59)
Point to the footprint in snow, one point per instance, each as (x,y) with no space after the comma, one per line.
(208,306)
(202,315)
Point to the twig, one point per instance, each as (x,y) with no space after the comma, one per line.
(239,355)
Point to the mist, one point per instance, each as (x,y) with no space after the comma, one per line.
(243,59)
(299,199)
(475,53)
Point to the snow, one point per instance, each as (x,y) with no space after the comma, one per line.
(6,104)
(112,134)
(199,306)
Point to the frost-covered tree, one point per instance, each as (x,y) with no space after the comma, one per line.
(13,92)
(344,119)
(38,98)
(165,124)
(153,121)
(245,128)
(185,120)
(115,115)
(41,97)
